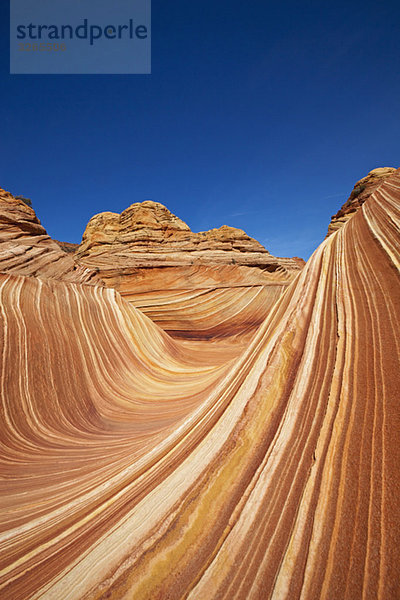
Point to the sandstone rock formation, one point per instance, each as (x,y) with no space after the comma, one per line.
(361,191)
(147,234)
(194,285)
(26,249)
(134,468)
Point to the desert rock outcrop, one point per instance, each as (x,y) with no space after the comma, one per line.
(134,468)
(194,285)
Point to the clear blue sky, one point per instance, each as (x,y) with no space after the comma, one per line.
(259,115)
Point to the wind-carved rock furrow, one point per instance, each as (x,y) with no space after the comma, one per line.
(140,466)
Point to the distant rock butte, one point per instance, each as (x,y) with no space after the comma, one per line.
(194,285)
(361,191)
(153,235)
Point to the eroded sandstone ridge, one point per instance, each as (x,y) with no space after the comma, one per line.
(153,236)
(26,249)
(133,467)
(194,285)
(361,191)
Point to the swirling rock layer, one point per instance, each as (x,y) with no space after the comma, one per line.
(133,468)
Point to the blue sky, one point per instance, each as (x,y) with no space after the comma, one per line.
(259,115)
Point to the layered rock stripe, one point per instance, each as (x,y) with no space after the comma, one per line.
(133,468)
